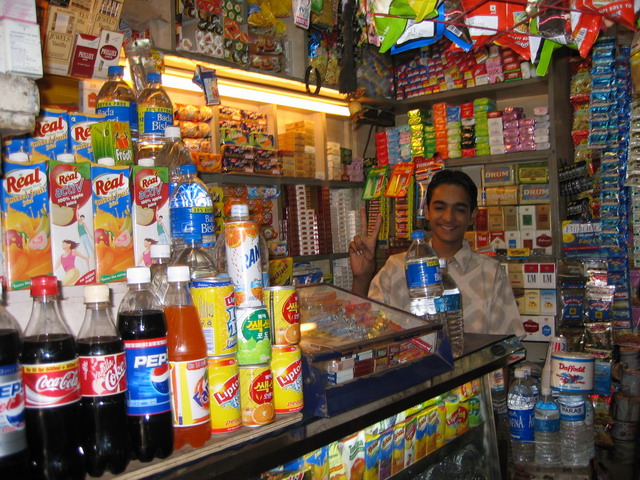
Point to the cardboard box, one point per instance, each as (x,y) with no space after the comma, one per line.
(548,302)
(83,58)
(516,275)
(497,240)
(82,9)
(106,15)
(59,36)
(547,277)
(543,218)
(482,219)
(544,241)
(510,215)
(20,49)
(526,217)
(531,301)
(108,53)
(518,294)
(495,219)
(19,10)
(528,238)
(534,193)
(513,239)
(539,328)
(470,236)
(482,240)
(497,175)
(531,271)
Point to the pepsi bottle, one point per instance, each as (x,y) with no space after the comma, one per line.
(143,329)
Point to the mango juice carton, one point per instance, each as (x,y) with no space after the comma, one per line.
(112,224)
(71,207)
(112,139)
(151,211)
(51,136)
(80,135)
(25,223)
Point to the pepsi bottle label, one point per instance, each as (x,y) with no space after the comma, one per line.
(153,120)
(120,111)
(423,273)
(148,376)
(12,437)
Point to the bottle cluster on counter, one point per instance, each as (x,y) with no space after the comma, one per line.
(388,447)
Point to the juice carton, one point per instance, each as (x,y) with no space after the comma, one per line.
(25,223)
(80,135)
(112,223)
(51,136)
(112,139)
(151,211)
(74,258)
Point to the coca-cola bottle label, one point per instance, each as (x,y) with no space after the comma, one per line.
(103,375)
(148,376)
(12,437)
(52,384)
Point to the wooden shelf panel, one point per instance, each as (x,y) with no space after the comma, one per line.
(274,180)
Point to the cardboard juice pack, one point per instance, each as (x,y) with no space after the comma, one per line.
(151,211)
(74,258)
(25,223)
(112,139)
(112,225)
(80,135)
(51,136)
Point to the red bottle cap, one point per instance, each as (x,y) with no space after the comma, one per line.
(44,285)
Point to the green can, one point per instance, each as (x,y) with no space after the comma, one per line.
(474,411)
(254,335)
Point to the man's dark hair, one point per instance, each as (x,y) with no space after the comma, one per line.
(454,177)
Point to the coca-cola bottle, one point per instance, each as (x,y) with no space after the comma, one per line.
(13,437)
(103,383)
(50,372)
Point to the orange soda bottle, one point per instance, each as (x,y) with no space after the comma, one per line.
(187,351)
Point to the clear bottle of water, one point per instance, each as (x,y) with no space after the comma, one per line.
(521,419)
(194,256)
(575,449)
(451,310)
(191,209)
(116,101)
(160,256)
(547,429)
(173,155)
(589,419)
(424,279)
(531,382)
(155,113)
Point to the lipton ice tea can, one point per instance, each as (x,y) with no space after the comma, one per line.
(112,223)
(463,416)
(215,301)
(243,261)
(286,365)
(451,404)
(224,394)
(25,223)
(282,305)
(441,424)
(74,255)
(256,395)
(421,434)
(254,331)
(151,225)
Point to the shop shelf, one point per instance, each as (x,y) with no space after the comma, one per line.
(240,179)
(516,157)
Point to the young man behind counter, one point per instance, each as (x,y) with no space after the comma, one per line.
(487,298)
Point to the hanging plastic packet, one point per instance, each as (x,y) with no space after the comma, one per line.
(143,58)
(595,272)
(572,302)
(390,27)
(455,29)
(598,303)
(301,13)
(585,27)
(206,79)
(420,34)
(618,11)
(424,172)
(515,24)
(401,178)
(375,183)
(484,19)
(598,335)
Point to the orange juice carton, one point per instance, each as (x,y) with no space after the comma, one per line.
(25,223)
(112,139)
(71,207)
(80,135)
(51,136)
(112,223)
(150,210)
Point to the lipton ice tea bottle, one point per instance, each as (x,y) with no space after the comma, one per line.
(187,351)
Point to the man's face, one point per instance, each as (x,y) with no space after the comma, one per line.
(449,213)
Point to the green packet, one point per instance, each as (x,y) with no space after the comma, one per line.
(375,183)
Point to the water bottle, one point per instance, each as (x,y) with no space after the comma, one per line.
(116,101)
(451,310)
(547,429)
(531,382)
(155,113)
(589,418)
(160,256)
(173,155)
(424,279)
(575,449)
(194,256)
(191,208)
(521,404)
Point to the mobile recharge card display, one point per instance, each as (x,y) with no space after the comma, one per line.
(151,211)
(74,258)
(112,224)
(80,135)
(25,223)
(51,136)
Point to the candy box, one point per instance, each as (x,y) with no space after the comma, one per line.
(112,224)
(112,139)
(80,135)
(51,136)
(25,223)
(151,211)
(71,217)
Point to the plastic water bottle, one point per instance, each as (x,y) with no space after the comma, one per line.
(155,113)
(424,279)
(194,256)
(173,155)
(531,382)
(451,309)
(191,208)
(575,449)
(160,256)
(547,429)
(589,418)
(521,404)
(116,101)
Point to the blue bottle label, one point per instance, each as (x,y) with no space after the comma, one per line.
(572,413)
(121,111)
(423,273)
(185,220)
(449,303)
(547,425)
(153,120)
(12,423)
(147,376)
(521,424)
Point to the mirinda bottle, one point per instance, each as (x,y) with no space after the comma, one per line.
(188,363)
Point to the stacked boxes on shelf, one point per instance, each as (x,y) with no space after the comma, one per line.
(297,149)
(323,214)
(342,275)
(302,225)
(422,133)
(345,219)
(454,131)
(334,163)
(496,136)
(481,109)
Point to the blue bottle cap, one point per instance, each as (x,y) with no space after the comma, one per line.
(189,168)
(153,77)
(417,234)
(115,70)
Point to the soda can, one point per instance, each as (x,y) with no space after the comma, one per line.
(256,395)
(282,304)
(474,411)
(451,404)
(242,241)
(286,365)
(463,416)
(441,424)
(254,332)
(421,433)
(432,428)
(214,298)
(224,387)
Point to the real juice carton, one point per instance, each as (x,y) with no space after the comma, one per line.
(112,139)
(71,207)
(112,223)
(151,210)
(51,136)
(25,223)
(80,135)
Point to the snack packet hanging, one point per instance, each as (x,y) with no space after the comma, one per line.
(484,19)
(375,183)
(390,28)
(516,25)
(401,177)
(618,11)
(455,29)
(598,303)
(585,27)
(420,34)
